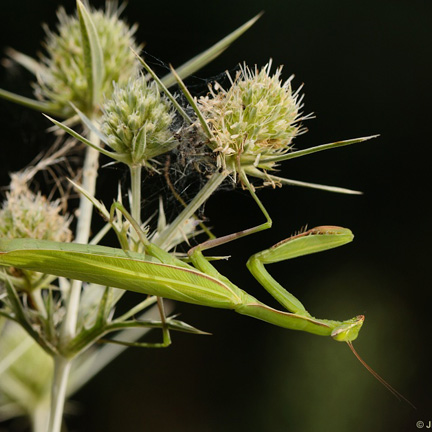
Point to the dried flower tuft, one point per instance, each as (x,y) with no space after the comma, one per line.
(25,214)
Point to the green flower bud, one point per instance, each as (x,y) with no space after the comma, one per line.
(137,120)
(257,117)
(63,78)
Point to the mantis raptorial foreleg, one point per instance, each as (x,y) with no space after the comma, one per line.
(311,241)
(314,240)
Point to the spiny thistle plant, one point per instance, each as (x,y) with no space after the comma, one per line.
(59,298)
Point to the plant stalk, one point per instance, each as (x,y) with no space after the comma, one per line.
(63,365)
(85,213)
(200,198)
(62,368)
(40,416)
(135,172)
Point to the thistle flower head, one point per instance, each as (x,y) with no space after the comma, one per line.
(25,214)
(136,120)
(63,77)
(257,117)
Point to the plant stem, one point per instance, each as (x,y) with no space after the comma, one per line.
(135,172)
(82,234)
(200,198)
(62,365)
(58,393)
(36,297)
(40,416)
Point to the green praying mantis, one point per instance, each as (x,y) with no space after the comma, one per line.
(169,277)
(159,273)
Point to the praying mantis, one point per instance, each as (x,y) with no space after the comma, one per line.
(159,273)
(169,277)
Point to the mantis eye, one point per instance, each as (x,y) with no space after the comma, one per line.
(349,330)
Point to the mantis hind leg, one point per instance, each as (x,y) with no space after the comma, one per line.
(312,241)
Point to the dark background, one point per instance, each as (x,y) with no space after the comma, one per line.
(367,69)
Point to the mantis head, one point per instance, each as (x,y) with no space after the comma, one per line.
(348,331)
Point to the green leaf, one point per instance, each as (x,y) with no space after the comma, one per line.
(27,102)
(194,105)
(90,125)
(254,172)
(104,307)
(161,85)
(93,55)
(79,137)
(171,323)
(25,61)
(22,318)
(208,55)
(316,149)
(99,206)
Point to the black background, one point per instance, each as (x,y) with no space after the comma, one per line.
(366,68)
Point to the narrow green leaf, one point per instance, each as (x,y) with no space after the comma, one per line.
(104,307)
(27,102)
(100,207)
(172,324)
(177,325)
(7,316)
(208,55)
(22,318)
(194,105)
(163,88)
(90,125)
(133,344)
(254,172)
(93,55)
(316,149)
(79,137)
(25,61)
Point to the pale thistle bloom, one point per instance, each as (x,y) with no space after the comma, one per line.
(25,214)
(257,117)
(62,78)
(136,121)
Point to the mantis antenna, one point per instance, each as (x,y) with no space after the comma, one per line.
(393,391)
